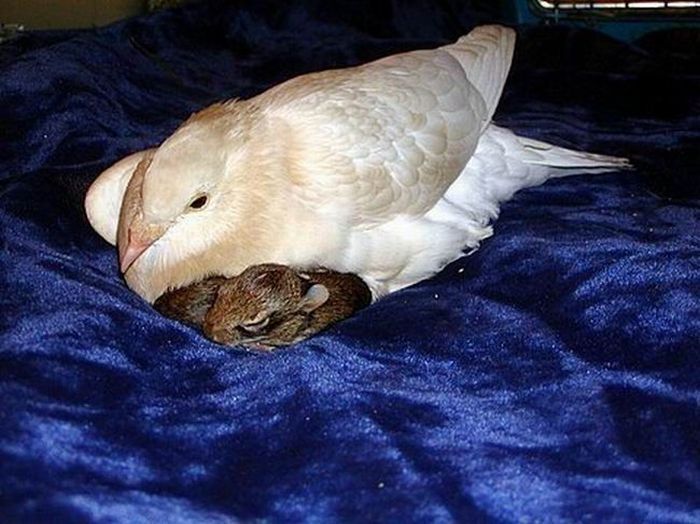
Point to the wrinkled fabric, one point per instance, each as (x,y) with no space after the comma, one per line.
(553,376)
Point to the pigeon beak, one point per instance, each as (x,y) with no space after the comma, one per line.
(133,249)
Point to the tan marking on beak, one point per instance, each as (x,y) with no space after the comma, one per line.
(132,250)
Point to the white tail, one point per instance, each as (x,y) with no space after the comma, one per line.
(535,152)
(504,163)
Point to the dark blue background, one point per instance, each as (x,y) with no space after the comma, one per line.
(552,376)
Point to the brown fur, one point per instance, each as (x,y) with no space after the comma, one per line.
(190,304)
(278,298)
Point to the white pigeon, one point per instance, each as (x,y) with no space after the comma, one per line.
(389,170)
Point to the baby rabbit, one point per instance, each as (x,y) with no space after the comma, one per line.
(189,304)
(267,305)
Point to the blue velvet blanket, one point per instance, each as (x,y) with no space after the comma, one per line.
(553,376)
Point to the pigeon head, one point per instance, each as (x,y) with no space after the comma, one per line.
(191,196)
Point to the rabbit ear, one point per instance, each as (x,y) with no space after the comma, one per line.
(315,297)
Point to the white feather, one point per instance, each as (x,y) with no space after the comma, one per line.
(389,170)
(407,250)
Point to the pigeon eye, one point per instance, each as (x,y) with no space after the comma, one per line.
(199,202)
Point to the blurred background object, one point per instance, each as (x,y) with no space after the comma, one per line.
(63,14)
(625,20)
(18,15)
(154,5)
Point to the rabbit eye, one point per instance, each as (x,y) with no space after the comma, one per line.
(256,324)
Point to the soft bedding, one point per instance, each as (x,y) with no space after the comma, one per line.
(552,376)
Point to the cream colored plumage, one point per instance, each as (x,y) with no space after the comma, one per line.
(388,170)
